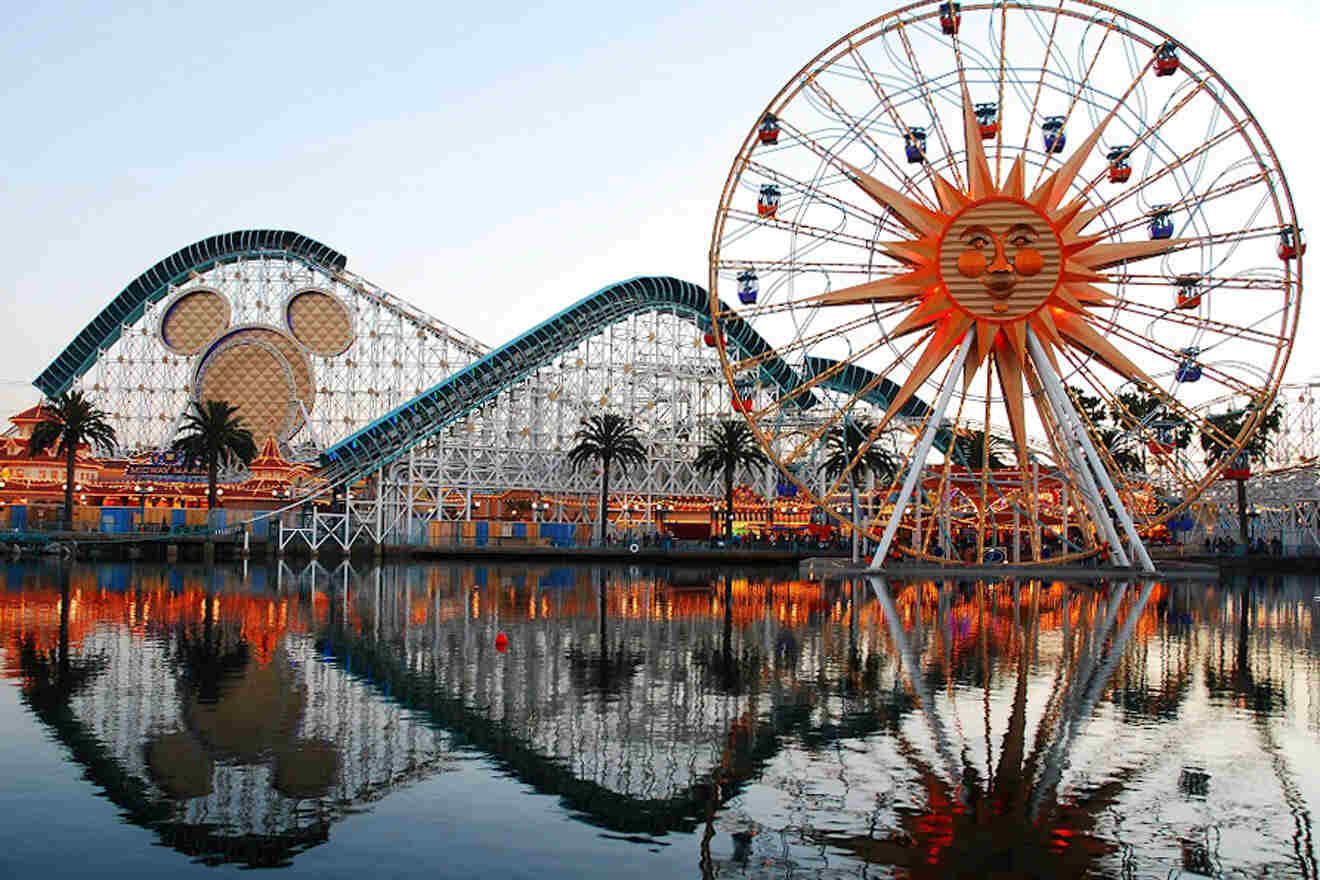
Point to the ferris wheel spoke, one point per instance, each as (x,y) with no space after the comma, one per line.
(779,307)
(1081,90)
(999,100)
(1172,355)
(832,158)
(1040,82)
(802,344)
(1193,200)
(833,370)
(857,126)
(808,190)
(930,104)
(1223,329)
(1148,132)
(1127,252)
(1097,438)
(794,228)
(881,95)
(1090,214)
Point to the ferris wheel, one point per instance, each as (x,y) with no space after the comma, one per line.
(1046,222)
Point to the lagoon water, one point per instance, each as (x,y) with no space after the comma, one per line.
(363,723)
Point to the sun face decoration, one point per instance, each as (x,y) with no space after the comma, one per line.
(998,262)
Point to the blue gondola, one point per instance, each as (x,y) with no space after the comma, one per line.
(1161,223)
(748,287)
(916,145)
(1055,137)
(1189,369)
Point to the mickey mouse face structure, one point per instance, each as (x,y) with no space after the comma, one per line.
(263,370)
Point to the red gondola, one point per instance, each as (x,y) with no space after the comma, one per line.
(987,117)
(1189,292)
(1119,169)
(767,203)
(1239,468)
(742,404)
(950,18)
(1166,60)
(768,133)
(1290,244)
(709,338)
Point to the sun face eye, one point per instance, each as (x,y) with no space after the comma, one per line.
(1020,240)
(978,242)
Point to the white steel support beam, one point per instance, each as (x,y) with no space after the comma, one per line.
(918,461)
(1073,426)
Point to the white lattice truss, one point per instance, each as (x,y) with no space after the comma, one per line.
(398,352)
(1283,504)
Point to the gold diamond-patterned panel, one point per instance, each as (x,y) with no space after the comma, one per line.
(252,377)
(194,320)
(320,322)
(297,360)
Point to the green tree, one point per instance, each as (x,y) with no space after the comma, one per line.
(609,439)
(843,444)
(972,449)
(1217,444)
(71,420)
(212,432)
(730,448)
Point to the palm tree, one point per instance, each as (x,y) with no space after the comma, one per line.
(842,445)
(71,421)
(212,432)
(1229,425)
(731,447)
(972,450)
(608,439)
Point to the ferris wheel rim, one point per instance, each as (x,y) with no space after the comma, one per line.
(1224,96)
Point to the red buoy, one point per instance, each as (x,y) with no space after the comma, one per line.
(501,643)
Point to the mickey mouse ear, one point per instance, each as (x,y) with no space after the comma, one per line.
(320,322)
(193,320)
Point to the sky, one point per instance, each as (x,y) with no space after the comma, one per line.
(490,162)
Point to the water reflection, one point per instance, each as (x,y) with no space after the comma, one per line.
(779,726)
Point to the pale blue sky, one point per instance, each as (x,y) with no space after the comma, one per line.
(490,162)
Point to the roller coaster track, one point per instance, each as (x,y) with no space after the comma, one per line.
(392,435)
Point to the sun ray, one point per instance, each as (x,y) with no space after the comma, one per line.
(1105,256)
(948,335)
(1008,367)
(980,182)
(1084,337)
(900,287)
(917,218)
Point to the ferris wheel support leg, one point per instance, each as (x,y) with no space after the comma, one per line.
(918,461)
(1088,489)
(1054,388)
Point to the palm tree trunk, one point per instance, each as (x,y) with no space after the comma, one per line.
(604,497)
(728,505)
(69,458)
(212,468)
